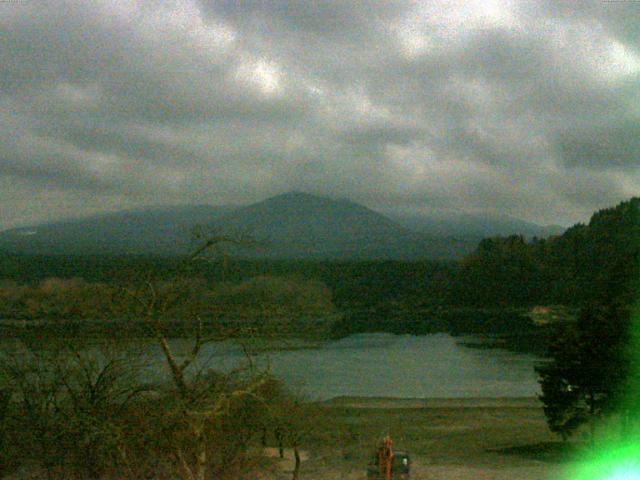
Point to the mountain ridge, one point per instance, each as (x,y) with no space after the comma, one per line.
(292,225)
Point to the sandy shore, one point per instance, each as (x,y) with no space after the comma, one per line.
(470,438)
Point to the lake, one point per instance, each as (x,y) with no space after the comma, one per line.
(368,365)
(386,365)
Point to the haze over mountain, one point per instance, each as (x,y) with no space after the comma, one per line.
(467,225)
(290,225)
(162,231)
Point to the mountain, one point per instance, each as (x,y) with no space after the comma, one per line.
(161,230)
(477,226)
(300,225)
(291,225)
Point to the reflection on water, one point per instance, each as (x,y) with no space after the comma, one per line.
(395,366)
(372,365)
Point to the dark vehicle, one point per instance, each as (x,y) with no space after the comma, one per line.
(400,467)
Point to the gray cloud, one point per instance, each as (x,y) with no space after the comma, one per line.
(526,108)
(608,147)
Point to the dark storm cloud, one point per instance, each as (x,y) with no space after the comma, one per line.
(526,108)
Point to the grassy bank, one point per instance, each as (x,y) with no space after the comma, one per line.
(447,438)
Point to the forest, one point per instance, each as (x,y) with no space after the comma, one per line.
(483,292)
(590,262)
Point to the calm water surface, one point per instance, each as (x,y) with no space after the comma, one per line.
(405,366)
(371,365)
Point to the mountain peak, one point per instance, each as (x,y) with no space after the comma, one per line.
(299,196)
(290,225)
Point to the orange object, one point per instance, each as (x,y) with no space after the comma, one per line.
(385,457)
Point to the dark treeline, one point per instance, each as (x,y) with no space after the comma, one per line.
(590,263)
(485,292)
(351,283)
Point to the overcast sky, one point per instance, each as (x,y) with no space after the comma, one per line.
(530,109)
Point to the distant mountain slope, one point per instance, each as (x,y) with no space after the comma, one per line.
(466,225)
(291,225)
(161,231)
(300,225)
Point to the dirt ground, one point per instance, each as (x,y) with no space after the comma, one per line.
(474,439)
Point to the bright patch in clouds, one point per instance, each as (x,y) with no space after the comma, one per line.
(261,74)
(431,27)
(622,60)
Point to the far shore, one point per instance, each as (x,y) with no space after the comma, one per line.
(461,402)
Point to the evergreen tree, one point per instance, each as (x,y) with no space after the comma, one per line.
(585,376)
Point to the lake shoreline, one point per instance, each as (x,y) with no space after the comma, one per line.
(529,342)
(370,365)
(514,329)
(434,402)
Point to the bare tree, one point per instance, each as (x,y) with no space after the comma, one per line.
(67,402)
(201,405)
(293,421)
(82,413)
